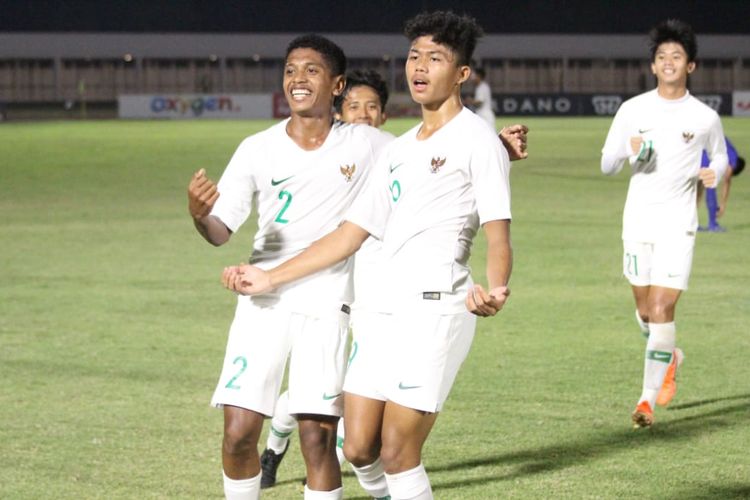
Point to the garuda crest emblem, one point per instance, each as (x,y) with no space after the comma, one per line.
(348,171)
(436,163)
(687,136)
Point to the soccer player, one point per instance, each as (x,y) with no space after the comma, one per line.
(715,207)
(304,172)
(363,100)
(482,100)
(662,134)
(431,191)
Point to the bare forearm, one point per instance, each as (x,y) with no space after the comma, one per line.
(499,253)
(212,229)
(327,251)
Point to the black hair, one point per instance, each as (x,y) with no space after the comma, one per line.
(673,30)
(459,33)
(332,53)
(739,167)
(363,78)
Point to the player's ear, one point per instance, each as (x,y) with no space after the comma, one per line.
(339,83)
(383,117)
(653,69)
(691,67)
(464,72)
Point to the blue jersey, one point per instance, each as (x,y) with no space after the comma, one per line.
(731,154)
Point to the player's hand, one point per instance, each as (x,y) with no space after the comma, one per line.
(484,304)
(720,211)
(707,177)
(202,194)
(513,138)
(246,279)
(635,144)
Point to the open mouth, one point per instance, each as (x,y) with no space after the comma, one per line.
(419,85)
(299,94)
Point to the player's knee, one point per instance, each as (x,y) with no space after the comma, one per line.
(238,441)
(395,458)
(316,442)
(360,454)
(661,311)
(240,435)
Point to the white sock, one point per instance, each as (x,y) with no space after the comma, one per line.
(412,484)
(336,494)
(659,352)
(642,324)
(282,425)
(372,479)
(340,442)
(242,489)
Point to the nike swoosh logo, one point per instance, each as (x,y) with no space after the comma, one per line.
(407,387)
(276,183)
(394,168)
(326,397)
(644,130)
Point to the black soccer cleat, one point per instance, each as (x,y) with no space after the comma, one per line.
(269,464)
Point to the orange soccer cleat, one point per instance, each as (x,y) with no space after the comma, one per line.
(669,387)
(643,416)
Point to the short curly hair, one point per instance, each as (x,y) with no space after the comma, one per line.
(673,30)
(459,33)
(332,53)
(363,78)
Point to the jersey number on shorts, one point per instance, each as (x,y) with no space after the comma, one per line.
(243,362)
(632,265)
(280,217)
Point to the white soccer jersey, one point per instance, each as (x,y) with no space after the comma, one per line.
(483,94)
(425,201)
(301,196)
(661,196)
(366,265)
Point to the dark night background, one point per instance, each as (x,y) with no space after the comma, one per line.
(382,16)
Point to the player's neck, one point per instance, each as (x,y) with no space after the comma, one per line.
(309,133)
(435,115)
(671,91)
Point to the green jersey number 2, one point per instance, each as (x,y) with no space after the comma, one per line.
(288,201)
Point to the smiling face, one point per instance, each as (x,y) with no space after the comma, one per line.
(309,86)
(670,65)
(433,73)
(362,105)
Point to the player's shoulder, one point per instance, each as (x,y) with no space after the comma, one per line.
(704,109)
(471,127)
(262,138)
(644,99)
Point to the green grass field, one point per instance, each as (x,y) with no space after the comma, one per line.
(113,326)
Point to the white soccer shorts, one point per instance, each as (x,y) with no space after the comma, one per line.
(411,359)
(261,339)
(666,263)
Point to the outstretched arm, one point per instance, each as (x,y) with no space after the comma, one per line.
(499,266)
(327,251)
(202,195)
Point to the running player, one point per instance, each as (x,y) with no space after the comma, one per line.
(435,186)
(662,133)
(304,171)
